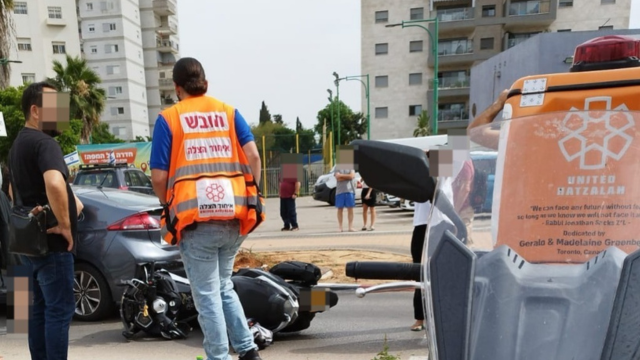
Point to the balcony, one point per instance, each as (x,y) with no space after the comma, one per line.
(166,64)
(165,84)
(53,21)
(457,20)
(167,29)
(164,7)
(454,52)
(167,46)
(452,119)
(530,13)
(166,102)
(450,86)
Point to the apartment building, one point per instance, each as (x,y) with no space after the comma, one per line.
(45,31)
(401,61)
(130,44)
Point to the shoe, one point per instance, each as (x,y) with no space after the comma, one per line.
(251,355)
(364,228)
(285,229)
(417,328)
(295,229)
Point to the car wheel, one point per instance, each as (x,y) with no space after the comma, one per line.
(91,293)
(332,197)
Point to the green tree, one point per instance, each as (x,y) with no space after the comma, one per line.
(10,99)
(102,135)
(70,137)
(265,116)
(141,139)
(352,125)
(299,126)
(424,127)
(277,118)
(87,99)
(6,39)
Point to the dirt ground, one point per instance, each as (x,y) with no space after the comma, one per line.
(326,260)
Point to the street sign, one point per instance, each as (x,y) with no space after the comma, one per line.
(3,128)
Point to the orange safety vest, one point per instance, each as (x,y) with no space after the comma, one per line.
(209,174)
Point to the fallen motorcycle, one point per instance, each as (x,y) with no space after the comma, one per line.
(283,299)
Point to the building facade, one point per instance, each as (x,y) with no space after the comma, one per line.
(130,44)
(469,32)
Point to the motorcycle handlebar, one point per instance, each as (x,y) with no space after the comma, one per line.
(378,270)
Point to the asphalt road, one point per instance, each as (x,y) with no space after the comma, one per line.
(354,329)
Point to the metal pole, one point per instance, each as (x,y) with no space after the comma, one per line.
(434,40)
(368,111)
(297,145)
(338,112)
(264,165)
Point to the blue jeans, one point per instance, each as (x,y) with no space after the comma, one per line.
(53,305)
(208,253)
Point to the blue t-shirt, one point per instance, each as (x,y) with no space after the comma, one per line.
(161,145)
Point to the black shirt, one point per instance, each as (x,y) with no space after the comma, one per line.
(32,154)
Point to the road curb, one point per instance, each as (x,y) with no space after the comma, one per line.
(335,234)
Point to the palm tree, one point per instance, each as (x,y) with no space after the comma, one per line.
(87,99)
(6,39)
(423,129)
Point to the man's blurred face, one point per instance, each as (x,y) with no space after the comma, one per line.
(53,116)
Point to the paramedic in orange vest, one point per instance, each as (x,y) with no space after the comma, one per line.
(205,167)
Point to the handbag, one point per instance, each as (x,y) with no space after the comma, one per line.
(27,232)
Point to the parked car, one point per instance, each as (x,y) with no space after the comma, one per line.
(116,230)
(325,187)
(117,176)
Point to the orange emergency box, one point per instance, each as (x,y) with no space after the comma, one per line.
(567,175)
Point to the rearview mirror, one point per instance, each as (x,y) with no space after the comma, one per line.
(397,170)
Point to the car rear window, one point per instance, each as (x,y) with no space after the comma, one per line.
(95,178)
(136,178)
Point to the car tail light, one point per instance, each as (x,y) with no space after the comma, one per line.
(606,49)
(140,221)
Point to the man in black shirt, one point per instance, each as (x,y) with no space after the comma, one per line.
(39,170)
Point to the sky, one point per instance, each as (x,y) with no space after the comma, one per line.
(283,52)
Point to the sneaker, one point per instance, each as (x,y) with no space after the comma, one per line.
(251,355)
(295,229)
(285,229)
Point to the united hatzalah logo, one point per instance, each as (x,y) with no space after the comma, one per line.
(215,192)
(588,138)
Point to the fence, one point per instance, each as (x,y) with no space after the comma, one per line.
(313,160)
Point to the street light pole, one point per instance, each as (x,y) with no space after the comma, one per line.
(434,52)
(5,61)
(333,152)
(366,92)
(337,83)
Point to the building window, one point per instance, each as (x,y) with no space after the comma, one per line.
(382,81)
(565,3)
(415,46)
(91,28)
(28,78)
(415,110)
(382,112)
(486,43)
(89,6)
(20,7)
(489,11)
(24,44)
(113,69)
(117,111)
(608,27)
(55,12)
(415,79)
(59,48)
(93,49)
(382,16)
(564,30)
(607,1)
(416,14)
(106,27)
(382,49)
(115,90)
(106,6)
(110,48)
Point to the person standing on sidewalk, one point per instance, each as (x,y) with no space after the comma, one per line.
(205,168)
(369,198)
(345,195)
(40,174)
(289,190)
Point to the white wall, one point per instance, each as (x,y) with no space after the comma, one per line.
(634,15)
(587,15)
